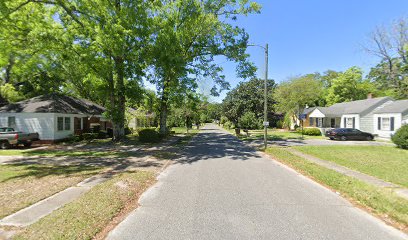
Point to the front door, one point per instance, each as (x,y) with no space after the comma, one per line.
(332,122)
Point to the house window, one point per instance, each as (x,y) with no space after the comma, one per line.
(332,122)
(319,122)
(12,122)
(67,123)
(349,122)
(385,124)
(311,121)
(60,124)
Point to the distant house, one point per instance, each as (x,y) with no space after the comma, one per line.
(138,118)
(363,115)
(295,121)
(390,117)
(53,116)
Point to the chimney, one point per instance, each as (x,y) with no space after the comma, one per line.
(370,95)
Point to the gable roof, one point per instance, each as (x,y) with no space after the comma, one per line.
(354,107)
(308,110)
(54,103)
(399,106)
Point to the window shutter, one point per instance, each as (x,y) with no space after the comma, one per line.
(379,123)
(317,122)
(354,122)
(345,122)
(311,121)
(392,124)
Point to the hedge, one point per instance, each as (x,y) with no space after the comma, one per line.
(400,138)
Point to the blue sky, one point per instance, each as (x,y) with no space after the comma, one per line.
(307,36)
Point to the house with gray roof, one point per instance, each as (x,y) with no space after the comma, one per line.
(388,118)
(355,114)
(53,116)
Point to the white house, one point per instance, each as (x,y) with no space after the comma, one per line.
(53,116)
(355,114)
(390,117)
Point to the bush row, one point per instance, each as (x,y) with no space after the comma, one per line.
(310,131)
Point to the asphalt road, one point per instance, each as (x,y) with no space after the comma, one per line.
(222,189)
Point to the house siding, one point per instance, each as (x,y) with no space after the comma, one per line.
(41,123)
(387,133)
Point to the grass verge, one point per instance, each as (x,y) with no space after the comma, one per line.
(23,185)
(385,162)
(382,202)
(91,213)
(273,135)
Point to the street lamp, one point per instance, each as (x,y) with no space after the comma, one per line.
(265,123)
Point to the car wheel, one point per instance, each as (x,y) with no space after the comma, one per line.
(343,138)
(4,145)
(27,144)
(369,138)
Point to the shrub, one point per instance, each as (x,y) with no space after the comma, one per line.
(149,135)
(228,125)
(223,120)
(279,124)
(89,136)
(311,132)
(249,121)
(400,138)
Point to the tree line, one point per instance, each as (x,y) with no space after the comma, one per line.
(103,50)
(244,104)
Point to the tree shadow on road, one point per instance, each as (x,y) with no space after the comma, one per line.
(213,145)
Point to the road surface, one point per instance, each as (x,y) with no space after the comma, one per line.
(222,189)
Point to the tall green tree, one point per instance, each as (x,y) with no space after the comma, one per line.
(349,86)
(249,97)
(108,38)
(293,95)
(390,45)
(189,34)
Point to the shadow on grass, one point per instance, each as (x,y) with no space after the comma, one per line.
(20,171)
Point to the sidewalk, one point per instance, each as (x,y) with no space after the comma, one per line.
(402,192)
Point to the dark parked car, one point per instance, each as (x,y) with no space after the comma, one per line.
(348,134)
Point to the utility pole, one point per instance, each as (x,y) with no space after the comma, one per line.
(265,123)
(266,99)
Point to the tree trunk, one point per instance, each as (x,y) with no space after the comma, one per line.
(118,110)
(163,115)
(164,108)
(9,67)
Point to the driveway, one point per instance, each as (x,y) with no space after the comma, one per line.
(221,189)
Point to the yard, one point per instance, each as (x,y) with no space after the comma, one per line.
(380,201)
(274,135)
(385,162)
(93,212)
(23,185)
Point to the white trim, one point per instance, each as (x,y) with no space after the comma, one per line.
(317,114)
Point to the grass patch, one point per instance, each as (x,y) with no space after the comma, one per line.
(23,185)
(183,130)
(385,162)
(273,135)
(88,215)
(383,202)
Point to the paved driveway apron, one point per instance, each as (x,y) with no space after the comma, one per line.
(222,189)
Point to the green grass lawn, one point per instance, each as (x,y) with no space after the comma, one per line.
(25,184)
(383,202)
(62,153)
(273,135)
(93,211)
(385,162)
(183,130)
